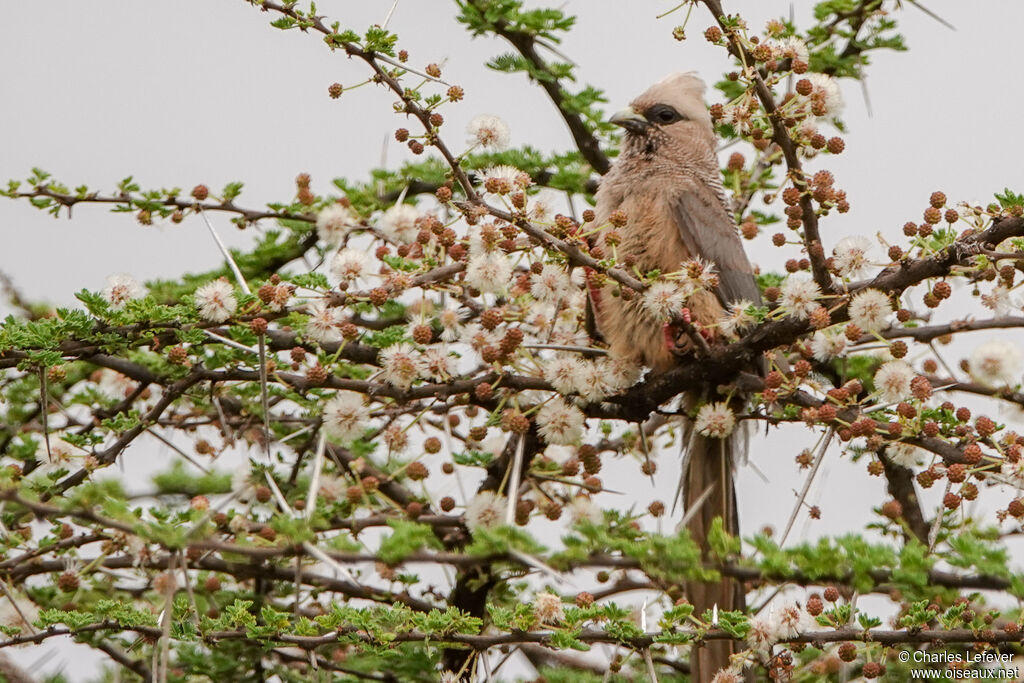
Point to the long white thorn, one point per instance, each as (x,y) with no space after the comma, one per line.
(528,559)
(297,433)
(44,411)
(167,442)
(230,342)
(314,482)
(695,508)
(826,440)
(391,12)
(513,481)
(227,254)
(264,395)
(327,559)
(278,496)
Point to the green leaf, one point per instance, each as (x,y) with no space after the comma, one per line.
(406,538)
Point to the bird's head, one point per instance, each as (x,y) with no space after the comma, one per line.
(673,106)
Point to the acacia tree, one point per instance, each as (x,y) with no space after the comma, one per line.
(406,371)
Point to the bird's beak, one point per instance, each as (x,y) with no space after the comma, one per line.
(630,120)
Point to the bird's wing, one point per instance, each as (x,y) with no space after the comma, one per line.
(708,232)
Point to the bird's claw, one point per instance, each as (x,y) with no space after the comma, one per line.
(676,341)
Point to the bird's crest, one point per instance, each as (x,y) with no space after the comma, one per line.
(684,91)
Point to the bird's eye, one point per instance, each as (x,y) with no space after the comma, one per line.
(663,114)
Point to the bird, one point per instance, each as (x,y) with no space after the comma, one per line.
(666,181)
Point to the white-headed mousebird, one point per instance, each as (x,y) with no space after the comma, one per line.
(666,181)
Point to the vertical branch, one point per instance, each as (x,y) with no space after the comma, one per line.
(526,44)
(900,484)
(812,236)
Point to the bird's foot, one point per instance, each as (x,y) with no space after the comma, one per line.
(678,342)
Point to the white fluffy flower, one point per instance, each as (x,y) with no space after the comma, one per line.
(547,608)
(322,326)
(739,115)
(827,89)
(789,620)
(504,179)
(550,285)
(400,365)
(332,488)
(905,455)
(438,363)
(486,510)
(121,288)
(996,364)
(618,373)
(478,337)
(349,265)
(560,423)
(345,416)
(490,273)
(541,206)
(828,344)
(761,636)
(664,299)
(59,457)
(216,301)
(738,318)
(715,420)
(972,211)
(333,224)
(593,383)
(851,255)
(808,128)
(789,48)
(1000,300)
(799,296)
(451,325)
(565,373)
(892,381)
(700,273)
(398,223)
(781,623)
(489,131)
(870,309)
(1014,472)
(583,509)
(728,676)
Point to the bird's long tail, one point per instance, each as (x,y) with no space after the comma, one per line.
(708,491)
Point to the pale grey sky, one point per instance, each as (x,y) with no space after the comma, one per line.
(204,91)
